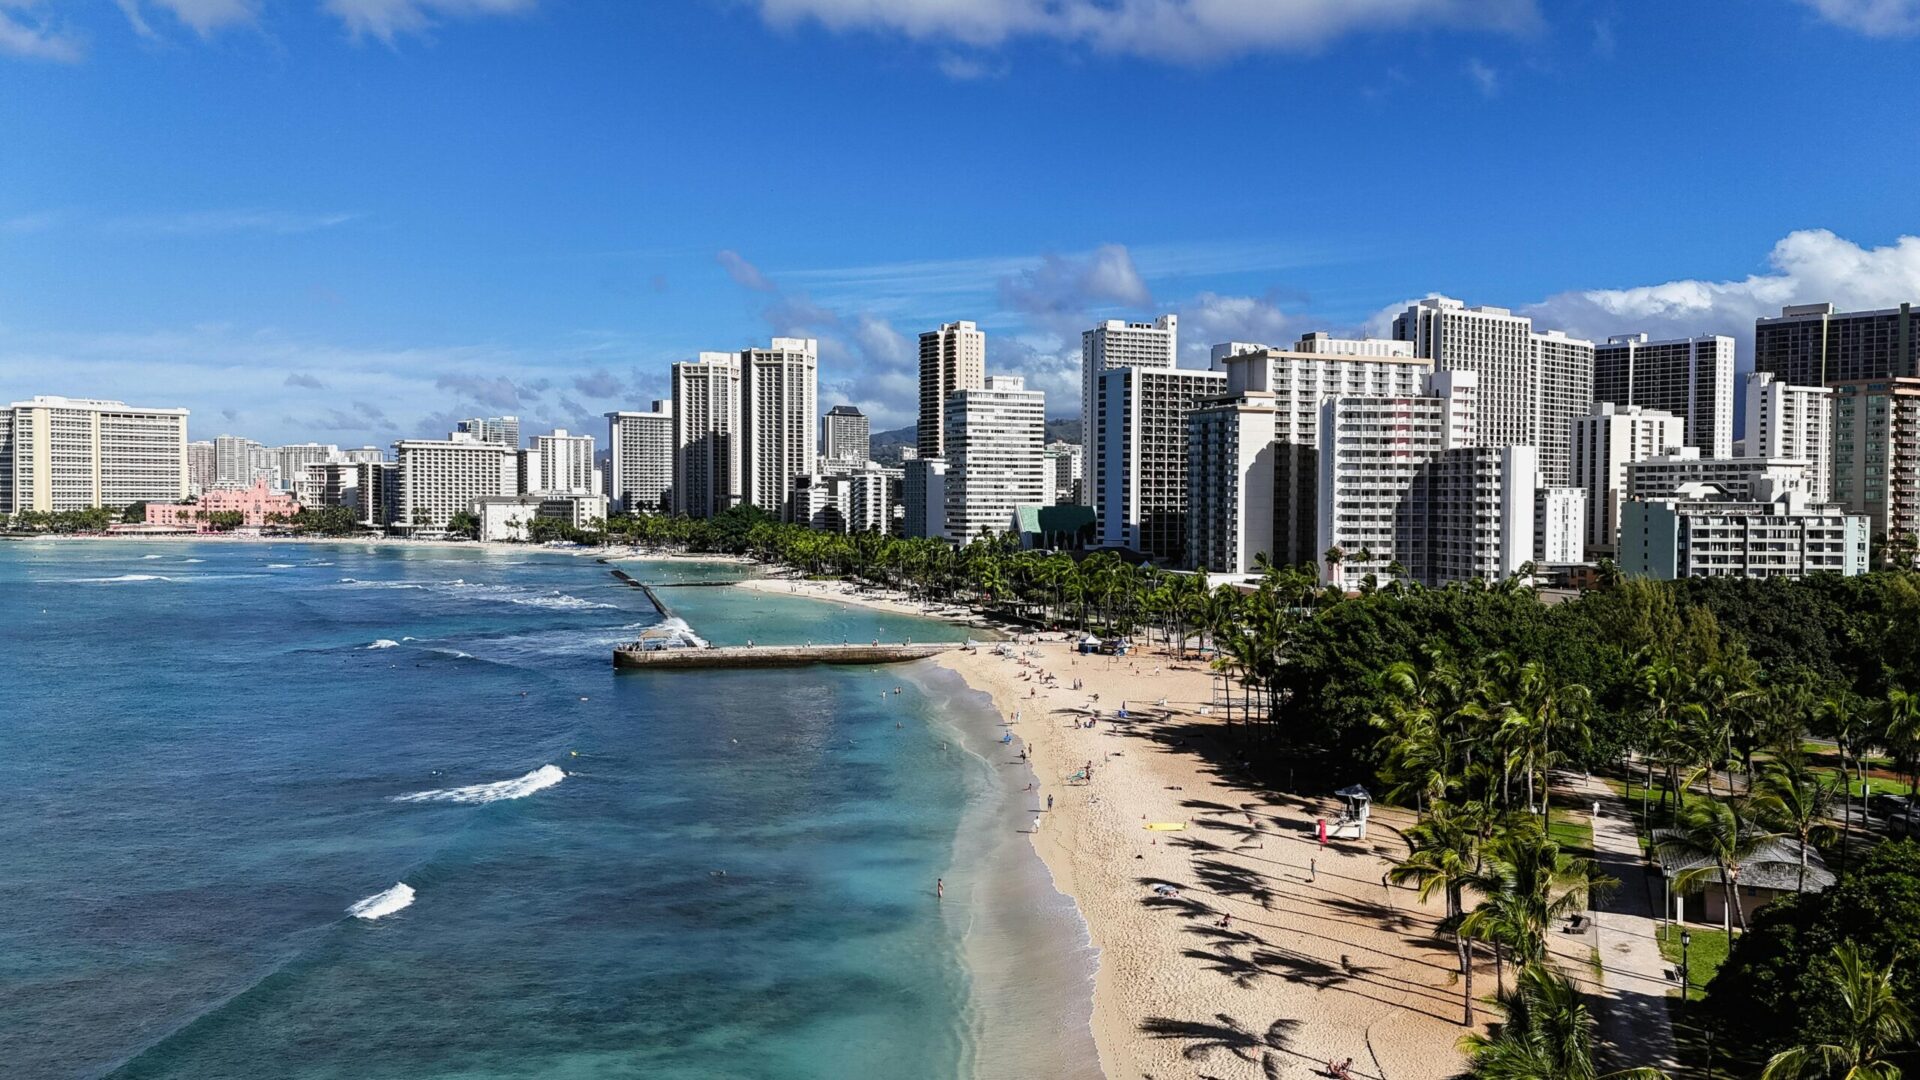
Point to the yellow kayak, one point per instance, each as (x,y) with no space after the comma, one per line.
(1166,826)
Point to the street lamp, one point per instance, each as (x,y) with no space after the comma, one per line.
(1686,980)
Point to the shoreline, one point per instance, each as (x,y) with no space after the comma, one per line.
(1319,961)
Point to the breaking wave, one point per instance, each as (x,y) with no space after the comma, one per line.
(683,633)
(480,794)
(383,903)
(527,596)
(117,580)
(384,643)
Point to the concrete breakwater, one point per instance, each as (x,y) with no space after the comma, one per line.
(771,656)
(658,605)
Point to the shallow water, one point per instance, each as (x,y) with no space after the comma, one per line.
(213,752)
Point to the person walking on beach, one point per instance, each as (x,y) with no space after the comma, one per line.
(1049,803)
(1313,870)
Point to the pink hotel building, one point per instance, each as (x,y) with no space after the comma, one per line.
(255,502)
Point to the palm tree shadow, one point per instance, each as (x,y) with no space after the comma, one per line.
(1203,1038)
(1229,880)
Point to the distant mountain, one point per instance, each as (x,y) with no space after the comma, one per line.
(886,444)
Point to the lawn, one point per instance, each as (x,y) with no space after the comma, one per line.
(1708,952)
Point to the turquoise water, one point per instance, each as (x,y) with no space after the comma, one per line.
(212,751)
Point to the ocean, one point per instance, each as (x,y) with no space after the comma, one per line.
(379,811)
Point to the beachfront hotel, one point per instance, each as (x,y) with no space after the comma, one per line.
(995,463)
(779,414)
(1140,478)
(706,434)
(1318,367)
(435,479)
(60,454)
(640,469)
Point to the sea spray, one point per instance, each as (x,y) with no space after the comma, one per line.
(517,788)
(383,643)
(383,903)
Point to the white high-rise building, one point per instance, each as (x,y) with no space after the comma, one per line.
(1786,421)
(706,434)
(779,414)
(855,501)
(1691,378)
(59,454)
(1605,442)
(364,454)
(1230,482)
(1559,526)
(848,438)
(953,357)
(1140,479)
(203,467)
(1064,471)
(640,472)
(1403,480)
(1299,381)
(994,437)
(563,465)
(1533,385)
(289,462)
(503,430)
(438,478)
(238,462)
(923,492)
(1117,344)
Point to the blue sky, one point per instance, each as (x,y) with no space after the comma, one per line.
(352,220)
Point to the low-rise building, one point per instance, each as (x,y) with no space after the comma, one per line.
(1702,530)
(255,505)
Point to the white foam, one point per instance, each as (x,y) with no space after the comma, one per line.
(383,903)
(517,788)
(679,628)
(383,643)
(153,556)
(193,560)
(117,580)
(279,566)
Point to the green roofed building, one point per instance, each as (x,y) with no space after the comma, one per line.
(1063,526)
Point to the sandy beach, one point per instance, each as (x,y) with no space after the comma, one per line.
(1318,961)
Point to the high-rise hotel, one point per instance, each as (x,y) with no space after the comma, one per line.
(60,454)
(706,434)
(1691,378)
(1533,384)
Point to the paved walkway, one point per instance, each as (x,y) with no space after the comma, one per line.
(1635,1029)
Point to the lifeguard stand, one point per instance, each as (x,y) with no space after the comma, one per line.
(1353,823)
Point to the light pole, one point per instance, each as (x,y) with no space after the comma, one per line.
(1686,980)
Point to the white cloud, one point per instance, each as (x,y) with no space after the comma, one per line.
(226,221)
(1809,266)
(31,36)
(205,17)
(1188,31)
(1874,18)
(1070,285)
(744,274)
(389,19)
(1485,79)
(1210,318)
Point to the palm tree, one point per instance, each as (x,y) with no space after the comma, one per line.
(1720,835)
(1875,1023)
(1527,882)
(1548,1032)
(1444,856)
(1897,728)
(1334,557)
(1794,800)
